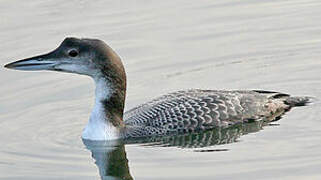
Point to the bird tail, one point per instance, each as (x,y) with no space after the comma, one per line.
(298,101)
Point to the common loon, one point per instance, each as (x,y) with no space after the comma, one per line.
(175,113)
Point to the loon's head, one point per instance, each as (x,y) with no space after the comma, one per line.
(90,57)
(94,58)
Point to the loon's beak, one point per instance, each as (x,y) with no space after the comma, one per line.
(42,62)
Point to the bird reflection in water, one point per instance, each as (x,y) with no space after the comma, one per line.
(110,156)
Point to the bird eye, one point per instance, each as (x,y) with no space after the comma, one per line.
(73,53)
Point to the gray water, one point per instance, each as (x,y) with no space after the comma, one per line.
(165,46)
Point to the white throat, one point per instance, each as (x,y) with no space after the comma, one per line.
(99,127)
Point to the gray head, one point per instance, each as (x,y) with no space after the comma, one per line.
(90,57)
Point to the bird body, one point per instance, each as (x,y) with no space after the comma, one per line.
(175,113)
(198,110)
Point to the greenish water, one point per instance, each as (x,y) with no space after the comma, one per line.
(165,46)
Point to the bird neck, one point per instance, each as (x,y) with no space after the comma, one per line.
(106,119)
(111,99)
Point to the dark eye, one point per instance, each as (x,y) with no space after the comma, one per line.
(73,53)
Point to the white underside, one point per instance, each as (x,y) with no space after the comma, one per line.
(98,127)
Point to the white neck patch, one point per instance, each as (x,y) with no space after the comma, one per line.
(99,127)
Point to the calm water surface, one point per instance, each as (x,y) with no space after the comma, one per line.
(165,46)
